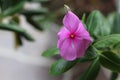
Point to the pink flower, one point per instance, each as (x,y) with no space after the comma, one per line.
(73,39)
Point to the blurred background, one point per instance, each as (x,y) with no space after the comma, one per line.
(28,27)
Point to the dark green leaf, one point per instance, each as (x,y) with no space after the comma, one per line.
(112,56)
(92,72)
(27,36)
(111,18)
(107,41)
(116,24)
(117,46)
(17,29)
(110,62)
(97,25)
(12,10)
(61,66)
(50,52)
(5,4)
(11,28)
(33,23)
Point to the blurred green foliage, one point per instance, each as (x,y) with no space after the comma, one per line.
(15,8)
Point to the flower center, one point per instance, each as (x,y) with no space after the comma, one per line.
(72,36)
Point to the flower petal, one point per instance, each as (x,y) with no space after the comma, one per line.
(62,35)
(82,33)
(68,51)
(71,21)
(83,45)
(82,40)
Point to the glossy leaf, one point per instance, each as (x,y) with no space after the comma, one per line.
(92,72)
(107,41)
(116,24)
(61,66)
(97,25)
(117,46)
(110,61)
(50,52)
(112,56)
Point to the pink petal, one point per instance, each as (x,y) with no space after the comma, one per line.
(82,33)
(84,44)
(82,40)
(62,35)
(71,21)
(68,51)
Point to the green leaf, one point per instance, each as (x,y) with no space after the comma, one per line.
(116,24)
(117,46)
(112,56)
(97,25)
(107,41)
(12,10)
(92,72)
(61,66)
(17,29)
(5,4)
(50,52)
(10,27)
(24,34)
(111,18)
(27,36)
(33,23)
(110,61)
